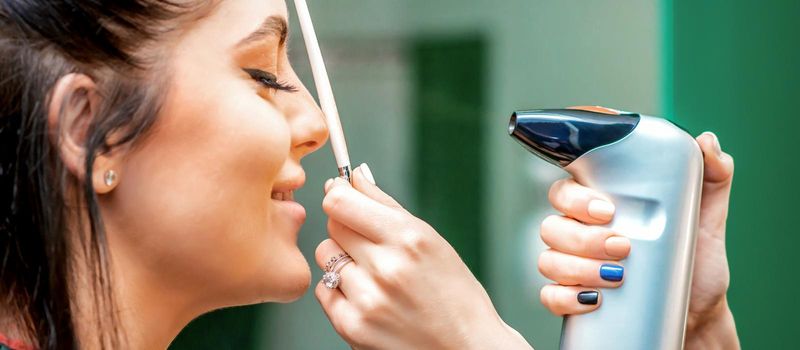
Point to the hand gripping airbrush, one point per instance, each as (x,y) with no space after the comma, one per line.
(653,172)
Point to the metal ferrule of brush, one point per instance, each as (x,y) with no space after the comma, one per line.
(344,172)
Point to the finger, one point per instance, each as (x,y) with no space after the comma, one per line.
(717,181)
(327,251)
(359,247)
(572,237)
(336,307)
(718,164)
(364,215)
(569,300)
(580,202)
(350,274)
(570,270)
(364,181)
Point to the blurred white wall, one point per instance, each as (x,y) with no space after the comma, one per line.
(551,53)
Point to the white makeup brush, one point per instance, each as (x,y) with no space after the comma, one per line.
(326,100)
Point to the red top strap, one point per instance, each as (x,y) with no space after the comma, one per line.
(13,344)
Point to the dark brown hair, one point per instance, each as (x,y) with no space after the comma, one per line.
(111,41)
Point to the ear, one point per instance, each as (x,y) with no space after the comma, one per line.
(74,104)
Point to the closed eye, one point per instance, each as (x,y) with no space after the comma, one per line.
(268,80)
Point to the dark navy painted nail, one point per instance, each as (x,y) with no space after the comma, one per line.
(611,272)
(588,298)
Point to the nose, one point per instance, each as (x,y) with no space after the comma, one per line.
(306,122)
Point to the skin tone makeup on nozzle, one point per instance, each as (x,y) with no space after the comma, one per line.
(150,151)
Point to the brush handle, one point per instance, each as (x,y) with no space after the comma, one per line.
(323,84)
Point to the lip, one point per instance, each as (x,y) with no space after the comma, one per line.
(287,186)
(292,209)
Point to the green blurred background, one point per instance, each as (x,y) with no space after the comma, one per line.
(425,88)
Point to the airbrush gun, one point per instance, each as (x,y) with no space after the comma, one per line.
(653,171)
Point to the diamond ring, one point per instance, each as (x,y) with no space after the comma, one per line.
(331,278)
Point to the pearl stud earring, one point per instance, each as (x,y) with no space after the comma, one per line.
(110,177)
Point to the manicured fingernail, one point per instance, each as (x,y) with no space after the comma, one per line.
(328,184)
(618,246)
(600,209)
(611,272)
(367,173)
(588,298)
(717,147)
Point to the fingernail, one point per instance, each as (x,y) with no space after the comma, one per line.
(717,147)
(618,246)
(339,181)
(611,272)
(367,172)
(588,298)
(600,209)
(328,184)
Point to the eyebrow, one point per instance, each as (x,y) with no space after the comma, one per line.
(272,26)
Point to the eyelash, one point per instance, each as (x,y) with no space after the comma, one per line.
(268,80)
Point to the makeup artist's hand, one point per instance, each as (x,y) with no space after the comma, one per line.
(584,257)
(407,287)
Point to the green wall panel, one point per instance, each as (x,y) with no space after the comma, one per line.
(737,73)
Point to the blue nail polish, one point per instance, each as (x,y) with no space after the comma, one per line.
(611,272)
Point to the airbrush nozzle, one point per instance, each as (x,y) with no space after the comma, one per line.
(559,136)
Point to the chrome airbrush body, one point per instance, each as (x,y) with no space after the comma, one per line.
(653,172)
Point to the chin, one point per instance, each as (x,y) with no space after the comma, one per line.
(296,287)
(294,281)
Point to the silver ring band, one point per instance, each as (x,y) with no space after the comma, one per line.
(340,264)
(333,260)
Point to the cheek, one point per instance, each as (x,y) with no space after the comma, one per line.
(196,192)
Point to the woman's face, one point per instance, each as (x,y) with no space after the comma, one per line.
(203,207)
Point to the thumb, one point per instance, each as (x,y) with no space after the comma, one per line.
(717,180)
(364,182)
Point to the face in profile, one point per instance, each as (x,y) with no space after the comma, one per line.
(203,210)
